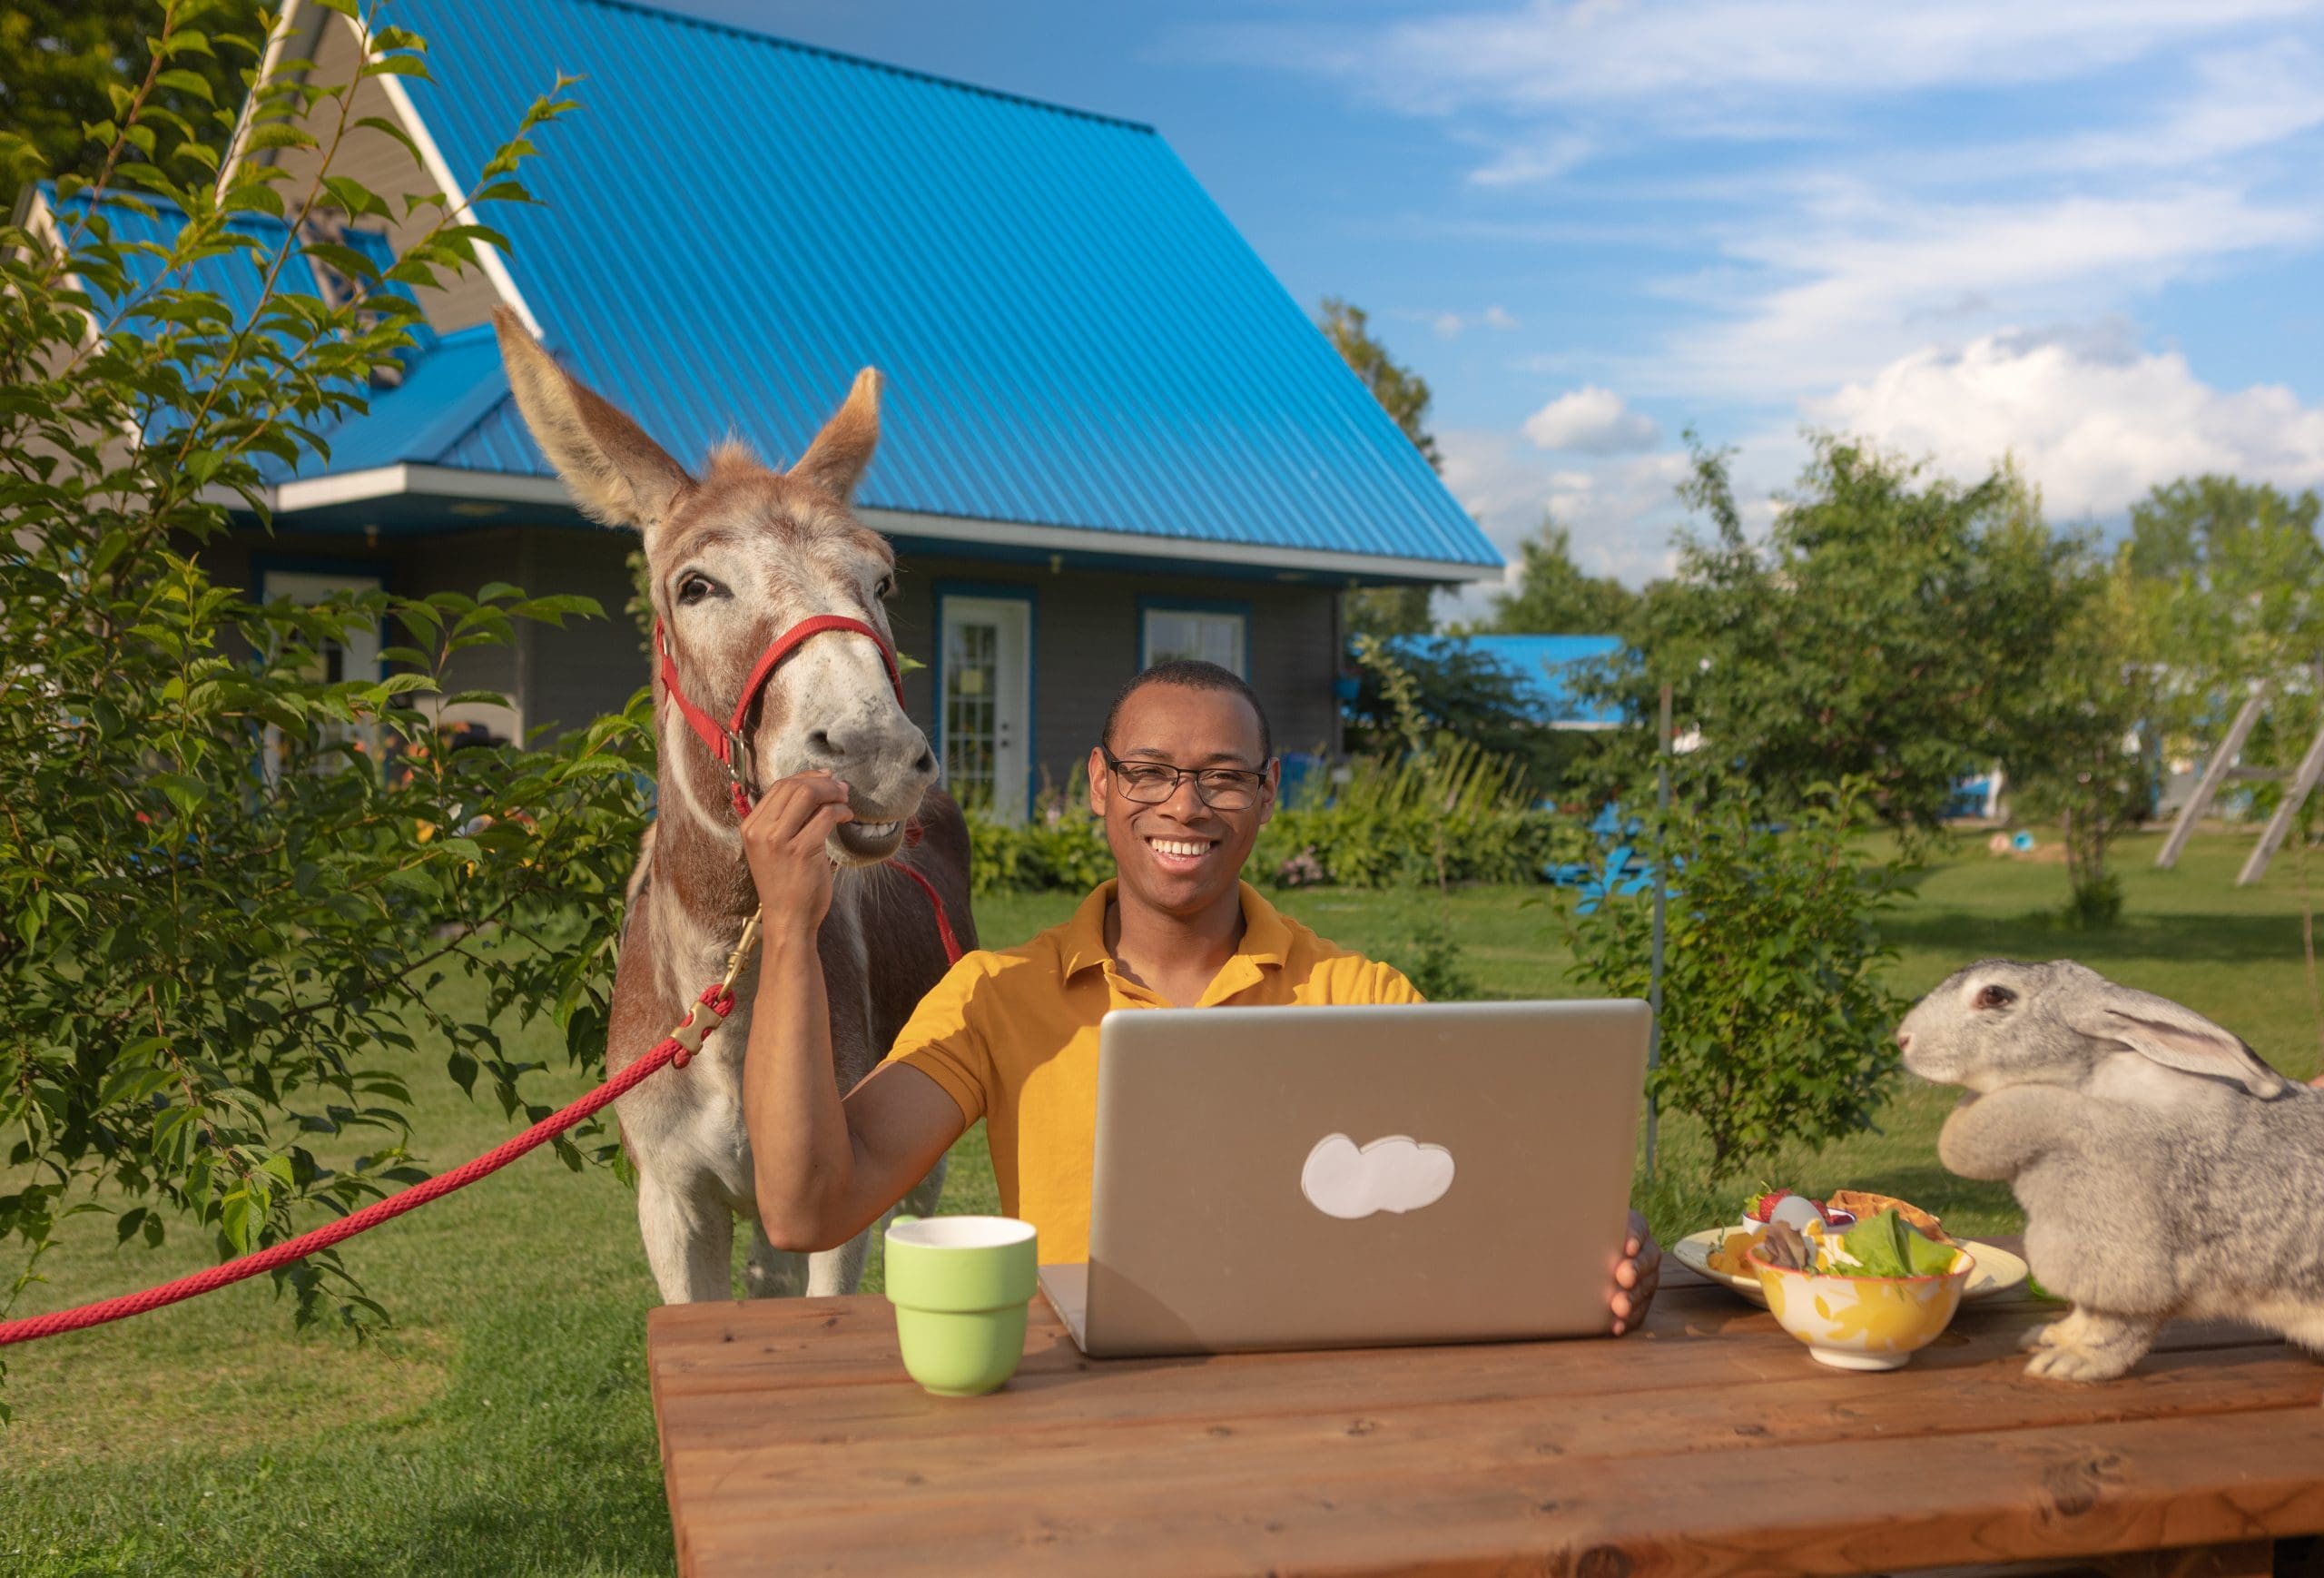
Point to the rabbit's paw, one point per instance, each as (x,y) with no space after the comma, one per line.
(2091,1348)
(2035,1338)
(2075,1364)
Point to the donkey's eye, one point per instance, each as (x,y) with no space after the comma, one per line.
(886,588)
(692,590)
(1995,997)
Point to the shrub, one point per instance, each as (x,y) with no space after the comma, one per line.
(1062,845)
(228,884)
(1429,955)
(1457,813)
(1776,1025)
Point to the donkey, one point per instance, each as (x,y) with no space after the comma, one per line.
(737,557)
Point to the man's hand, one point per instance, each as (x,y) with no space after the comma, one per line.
(783,838)
(1636,1278)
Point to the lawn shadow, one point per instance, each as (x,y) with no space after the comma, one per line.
(2172,938)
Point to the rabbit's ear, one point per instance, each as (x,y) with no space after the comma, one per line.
(2177,1038)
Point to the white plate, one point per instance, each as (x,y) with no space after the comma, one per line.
(1998,1271)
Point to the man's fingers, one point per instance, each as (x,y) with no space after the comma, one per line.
(1626,1274)
(790,802)
(1630,1246)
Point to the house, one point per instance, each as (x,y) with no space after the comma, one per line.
(1110,435)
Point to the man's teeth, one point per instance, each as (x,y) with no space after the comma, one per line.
(1178,846)
(875,829)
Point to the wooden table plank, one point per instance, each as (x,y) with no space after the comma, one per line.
(791,1441)
(1843,1507)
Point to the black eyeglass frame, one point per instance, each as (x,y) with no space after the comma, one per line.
(1114,765)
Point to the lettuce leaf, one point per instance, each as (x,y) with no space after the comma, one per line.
(1888,1245)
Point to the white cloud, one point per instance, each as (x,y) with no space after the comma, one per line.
(1592,420)
(2095,421)
(1619,512)
(1395,1173)
(1450,325)
(1700,63)
(1868,274)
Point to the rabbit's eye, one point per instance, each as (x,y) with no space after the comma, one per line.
(1995,997)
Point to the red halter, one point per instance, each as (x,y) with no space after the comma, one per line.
(727,745)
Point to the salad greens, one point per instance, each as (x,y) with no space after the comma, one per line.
(1888,1245)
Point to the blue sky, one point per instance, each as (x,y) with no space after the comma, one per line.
(2089,233)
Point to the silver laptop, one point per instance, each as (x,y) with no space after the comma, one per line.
(1289,1178)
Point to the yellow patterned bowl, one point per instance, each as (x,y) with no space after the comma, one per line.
(1863,1322)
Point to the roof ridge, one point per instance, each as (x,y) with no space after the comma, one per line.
(737,30)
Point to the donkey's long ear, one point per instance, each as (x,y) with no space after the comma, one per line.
(2176,1037)
(618,475)
(836,460)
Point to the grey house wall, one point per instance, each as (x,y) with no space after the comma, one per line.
(1085,644)
(1086,626)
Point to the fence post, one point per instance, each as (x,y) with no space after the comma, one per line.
(1661,897)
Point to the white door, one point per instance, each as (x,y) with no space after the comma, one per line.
(984,713)
(356,658)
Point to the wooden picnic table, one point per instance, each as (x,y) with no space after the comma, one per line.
(1710,1442)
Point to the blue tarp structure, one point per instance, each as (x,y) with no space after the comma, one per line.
(1544,666)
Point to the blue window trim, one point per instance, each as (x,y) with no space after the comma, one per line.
(262,565)
(1172,605)
(993,591)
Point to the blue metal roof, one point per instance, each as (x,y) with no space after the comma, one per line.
(1543,666)
(1072,332)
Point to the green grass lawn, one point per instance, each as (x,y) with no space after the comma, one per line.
(502,1426)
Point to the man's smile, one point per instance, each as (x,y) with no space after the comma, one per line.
(1178,852)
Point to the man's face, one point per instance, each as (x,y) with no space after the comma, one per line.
(1181,857)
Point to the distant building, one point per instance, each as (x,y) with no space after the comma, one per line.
(1545,667)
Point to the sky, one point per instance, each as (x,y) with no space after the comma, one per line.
(2086,233)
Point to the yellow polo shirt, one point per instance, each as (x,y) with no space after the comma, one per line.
(1013,1038)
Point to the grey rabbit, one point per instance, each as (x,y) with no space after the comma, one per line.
(2166,1171)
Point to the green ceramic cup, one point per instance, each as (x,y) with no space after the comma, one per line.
(960,1286)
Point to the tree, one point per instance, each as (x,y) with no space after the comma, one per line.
(2068,757)
(1404,395)
(1882,631)
(1554,595)
(1402,392)
(2230,579)
(230,884)
(63,62)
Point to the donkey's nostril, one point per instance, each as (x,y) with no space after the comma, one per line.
(1903,1040)
(819,742)
(927,762)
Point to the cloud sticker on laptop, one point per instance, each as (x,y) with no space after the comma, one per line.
(1395,1173)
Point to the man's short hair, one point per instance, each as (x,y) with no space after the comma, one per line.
(1191,674)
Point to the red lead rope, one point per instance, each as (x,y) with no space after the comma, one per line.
(676,1049)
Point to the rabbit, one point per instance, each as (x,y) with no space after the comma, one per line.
(2165,1170)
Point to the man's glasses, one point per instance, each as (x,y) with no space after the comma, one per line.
(1152,783)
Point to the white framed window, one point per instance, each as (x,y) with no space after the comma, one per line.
(1212,634)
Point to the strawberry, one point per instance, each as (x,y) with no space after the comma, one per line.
(1766,1204)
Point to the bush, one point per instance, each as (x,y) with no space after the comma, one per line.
(1776,1026)
(1430,957)
(1457,813)
(1062,845)
(228,885)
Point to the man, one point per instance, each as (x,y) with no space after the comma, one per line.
(1185,776)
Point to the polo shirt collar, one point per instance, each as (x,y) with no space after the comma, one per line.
(1266,936)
